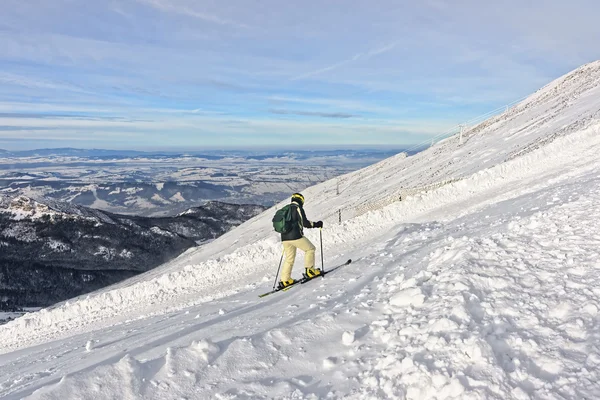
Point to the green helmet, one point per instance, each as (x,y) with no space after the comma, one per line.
(298,198)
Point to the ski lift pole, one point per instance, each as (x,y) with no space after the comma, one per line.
(278,268)
(321,237)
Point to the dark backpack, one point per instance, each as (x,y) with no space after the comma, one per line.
(282,221)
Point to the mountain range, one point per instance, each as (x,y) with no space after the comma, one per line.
(300,154)
(52,251)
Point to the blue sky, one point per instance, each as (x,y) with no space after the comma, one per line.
(159,74)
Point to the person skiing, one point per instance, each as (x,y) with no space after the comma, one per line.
(295,239)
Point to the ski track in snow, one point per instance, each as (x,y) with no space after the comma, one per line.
(485,288)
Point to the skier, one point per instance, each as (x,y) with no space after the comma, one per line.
(295,239)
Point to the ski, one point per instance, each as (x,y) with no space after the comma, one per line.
(280,290)
(338,266)
(304,280)
(323,273)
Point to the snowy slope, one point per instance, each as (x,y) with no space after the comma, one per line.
(479,288)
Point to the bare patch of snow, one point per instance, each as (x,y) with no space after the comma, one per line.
(125,254)
(177,197)
(157,230)
(158,198)
(57,245)
(105,252)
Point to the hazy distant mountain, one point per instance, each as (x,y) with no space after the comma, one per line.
(51,251)
(209,155)
(162,183)
(71,152)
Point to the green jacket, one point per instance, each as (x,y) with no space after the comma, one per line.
(300,222)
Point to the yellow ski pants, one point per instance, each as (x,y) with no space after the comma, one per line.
(289,249)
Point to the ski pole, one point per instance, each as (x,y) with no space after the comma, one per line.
(278,268)
(321,236)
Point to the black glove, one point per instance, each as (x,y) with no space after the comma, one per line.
(318,224)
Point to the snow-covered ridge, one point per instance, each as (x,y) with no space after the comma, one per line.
(22,207)
(566,105)
(575,83)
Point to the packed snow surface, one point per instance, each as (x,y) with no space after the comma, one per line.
(483,285)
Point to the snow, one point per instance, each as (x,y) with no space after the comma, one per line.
(480,284)
(125,254)
(139,202)
(106,253)
(157,198)
(408,297)
(158,231)
(22,207)
(10,315)
(177,197)
(57,245)
(347,338)
(132,190)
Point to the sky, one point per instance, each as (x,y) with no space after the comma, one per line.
(161,74)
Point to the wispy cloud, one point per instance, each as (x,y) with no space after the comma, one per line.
(313,113)
(354,105)
(50,115)
(31,82)
(190,10)
(356,57)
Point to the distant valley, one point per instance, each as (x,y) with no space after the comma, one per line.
(158,184)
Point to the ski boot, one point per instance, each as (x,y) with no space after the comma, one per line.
(284,284)
(310,273)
